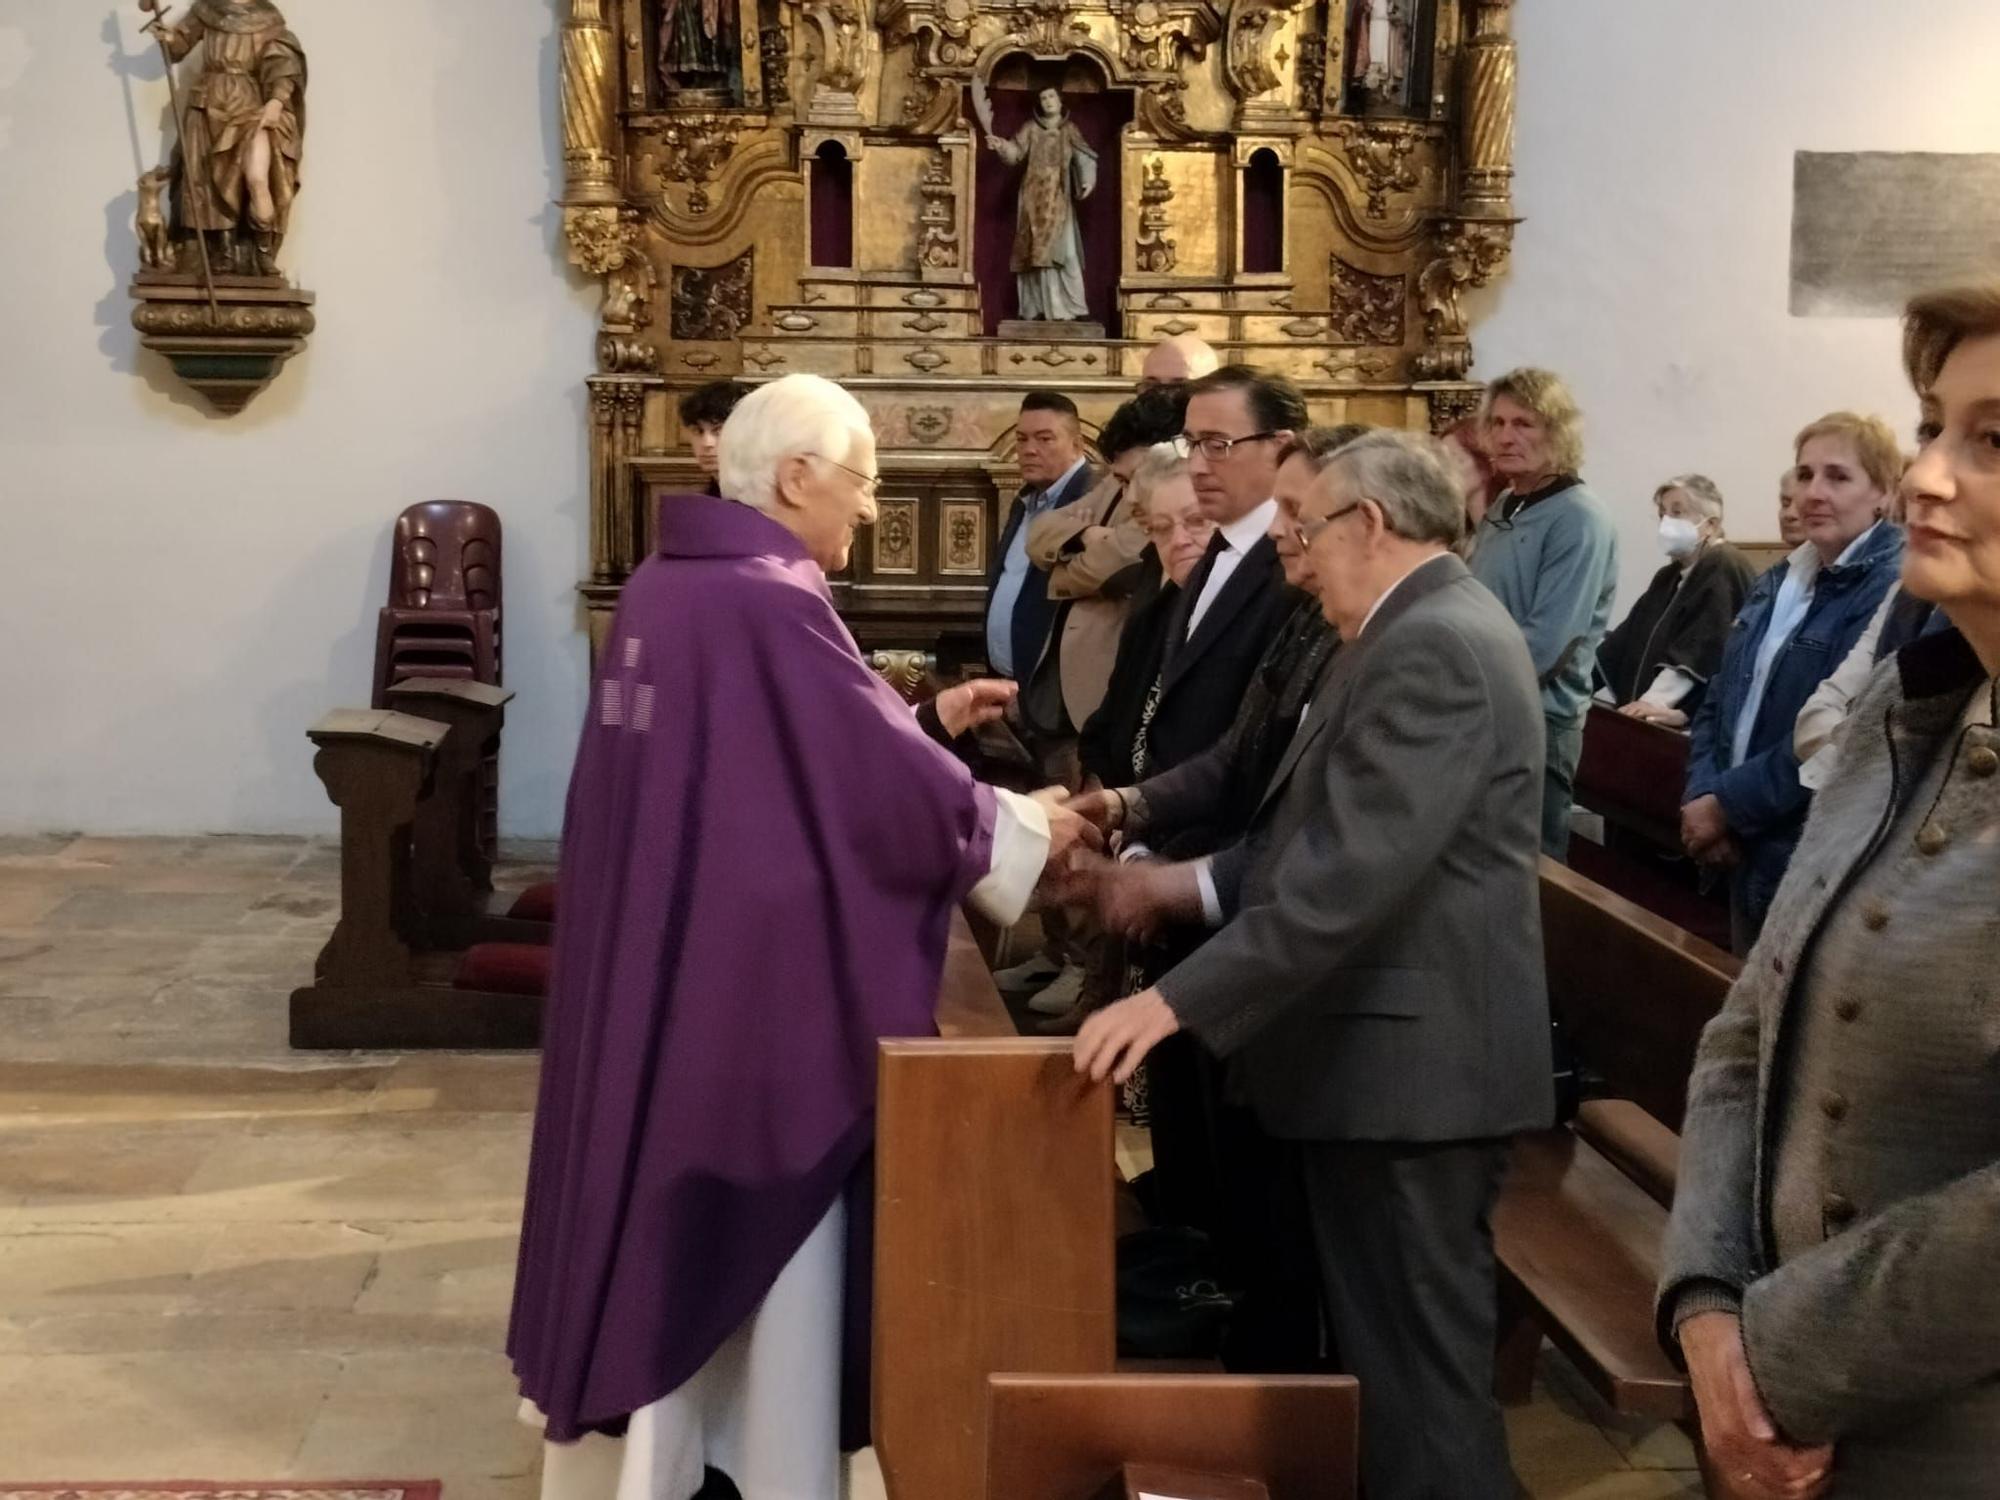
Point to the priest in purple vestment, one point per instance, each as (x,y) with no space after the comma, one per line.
(761,855)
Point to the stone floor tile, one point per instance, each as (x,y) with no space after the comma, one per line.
(246,1267)
(130,1269)
(119,1171)
(161,1416)
(458,1268)
(1626,1484)
(51,1093)
(460,1082)
(36,846)
(1642,1442)
(450,1412)
(122,909)
(1553,1449)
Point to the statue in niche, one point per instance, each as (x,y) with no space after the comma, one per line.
(700,52)
(242,123)
(1381,49)
(1061,171)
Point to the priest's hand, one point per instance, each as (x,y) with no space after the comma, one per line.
(971,704)
(1067,832)
(1115,1040)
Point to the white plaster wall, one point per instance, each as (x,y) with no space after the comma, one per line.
(1655,153)
(182,594)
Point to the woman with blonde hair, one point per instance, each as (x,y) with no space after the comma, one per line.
(1744,806)
(1829,1270)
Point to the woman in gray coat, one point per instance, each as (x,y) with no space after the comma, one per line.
(1833,1267)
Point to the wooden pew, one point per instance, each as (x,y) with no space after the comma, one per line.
(1578,1227)
(372,986)
(993,1240)
(1066,1437)
(1631,775)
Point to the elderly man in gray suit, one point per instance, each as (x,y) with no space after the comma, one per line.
(1378,989)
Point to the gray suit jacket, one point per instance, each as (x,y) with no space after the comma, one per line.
(1381,977)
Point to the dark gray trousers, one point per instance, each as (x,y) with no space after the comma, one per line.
(1405,1241)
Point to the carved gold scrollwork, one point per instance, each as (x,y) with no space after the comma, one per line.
(926,359)
(1384,158)
(938,249)
(930,424)
(1312,72)
(1367,309)
(589,105)
(1351,367)
(839,53)
(1153,253)
(895,539)
(1253,66)
(908,672)
(1050,28)
(1470,254)
(694,149)
(713,302)
(1162,110)
(1453,404)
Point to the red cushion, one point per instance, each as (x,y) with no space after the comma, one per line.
(505,968)
(536,904)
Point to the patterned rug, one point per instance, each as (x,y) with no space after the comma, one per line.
(373,1489)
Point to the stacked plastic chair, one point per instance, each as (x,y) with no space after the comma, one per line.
(443,614)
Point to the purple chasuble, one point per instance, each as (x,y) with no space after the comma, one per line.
(761,854)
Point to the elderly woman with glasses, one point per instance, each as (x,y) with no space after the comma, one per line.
(1829,1271)
(1744,805)
(1658,661)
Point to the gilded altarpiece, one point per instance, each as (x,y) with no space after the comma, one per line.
(769,186)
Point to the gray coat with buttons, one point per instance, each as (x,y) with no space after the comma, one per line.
(1840,1160)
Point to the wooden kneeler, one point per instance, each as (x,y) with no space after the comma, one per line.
(371,989)
(1179,1437)
(452,878)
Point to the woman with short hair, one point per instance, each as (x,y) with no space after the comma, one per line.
(1658,661)
(1829,1269)
(1744,806)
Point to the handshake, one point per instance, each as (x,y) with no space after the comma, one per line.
(1130,898)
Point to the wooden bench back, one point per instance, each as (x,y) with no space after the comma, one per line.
(993,1237)
(1632,772)
(1631,990)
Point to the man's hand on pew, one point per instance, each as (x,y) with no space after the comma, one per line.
(1115,1040)
(1653,713)
(1742,1441)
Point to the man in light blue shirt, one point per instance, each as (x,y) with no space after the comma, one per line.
(1055,470)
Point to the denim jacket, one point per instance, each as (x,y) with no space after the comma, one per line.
(1762,798)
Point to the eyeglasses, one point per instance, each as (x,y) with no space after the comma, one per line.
(870,483)
(1211,447)
(1199,528)
(1308,531)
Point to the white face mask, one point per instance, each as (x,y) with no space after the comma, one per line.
(1679,537)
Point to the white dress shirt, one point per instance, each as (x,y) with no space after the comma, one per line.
(1238,537)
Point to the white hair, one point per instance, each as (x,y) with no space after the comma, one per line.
(792,416)
(1162,462)
(1408,476)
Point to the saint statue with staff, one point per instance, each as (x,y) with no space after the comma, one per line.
(1061,170)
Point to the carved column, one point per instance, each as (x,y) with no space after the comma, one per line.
(1489,70)
(589,105)
(603,476)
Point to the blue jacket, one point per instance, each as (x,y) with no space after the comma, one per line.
(1762,798)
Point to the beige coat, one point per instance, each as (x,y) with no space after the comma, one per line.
(1086,547)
